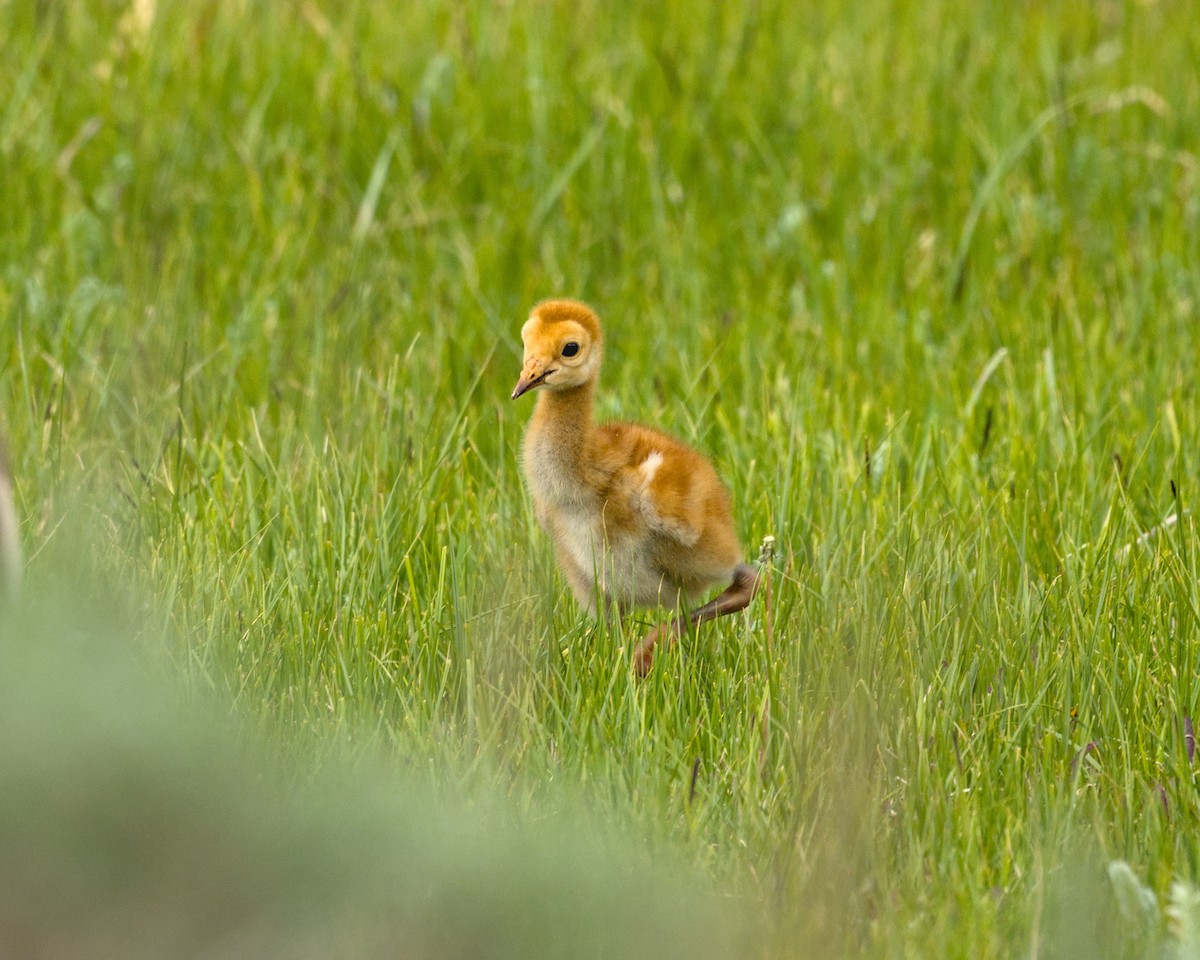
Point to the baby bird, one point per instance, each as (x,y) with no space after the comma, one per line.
(638,519)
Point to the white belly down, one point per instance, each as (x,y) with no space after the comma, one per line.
(620,570)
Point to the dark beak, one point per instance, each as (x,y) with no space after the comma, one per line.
(527,383)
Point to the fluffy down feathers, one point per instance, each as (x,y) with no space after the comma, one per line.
(636,516)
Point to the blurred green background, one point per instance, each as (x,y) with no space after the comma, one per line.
(922,278)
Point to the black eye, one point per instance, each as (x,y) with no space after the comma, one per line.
(570,349)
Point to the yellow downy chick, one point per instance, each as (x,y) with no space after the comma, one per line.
(638,519)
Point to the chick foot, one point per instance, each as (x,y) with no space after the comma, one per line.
(736,597)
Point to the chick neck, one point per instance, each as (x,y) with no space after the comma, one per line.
(566,415)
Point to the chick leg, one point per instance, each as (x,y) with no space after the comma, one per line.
(736,597)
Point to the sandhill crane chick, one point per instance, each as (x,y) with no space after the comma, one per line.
(638,519)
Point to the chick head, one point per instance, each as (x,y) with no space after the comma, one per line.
(562,347)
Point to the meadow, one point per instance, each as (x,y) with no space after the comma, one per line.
(923,279)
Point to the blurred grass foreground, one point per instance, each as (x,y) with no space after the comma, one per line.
(132,826)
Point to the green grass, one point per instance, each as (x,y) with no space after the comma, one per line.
(922,278)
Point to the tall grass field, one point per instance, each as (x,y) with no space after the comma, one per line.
(921,278)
